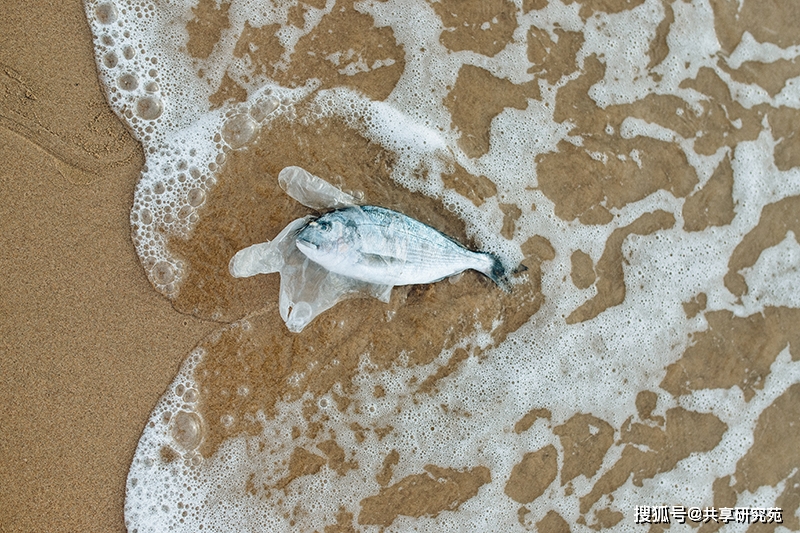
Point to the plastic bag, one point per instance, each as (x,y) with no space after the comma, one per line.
(312,191)
(307,289)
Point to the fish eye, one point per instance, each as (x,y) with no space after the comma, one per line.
(324,225)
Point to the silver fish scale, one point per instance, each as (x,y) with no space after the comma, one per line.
(411,241)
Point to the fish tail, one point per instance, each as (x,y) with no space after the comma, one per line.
(497,272)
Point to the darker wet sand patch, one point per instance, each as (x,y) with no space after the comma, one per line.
(713,204)
(775,222)
(772,77)
(585,440)
(553,59)
(735,351)
(483,26)
(346,49)
(205,28)
(477,98)
(552,523)
(525,423)
(530,477)
(475,188)
(695,305)
(582,272)
(650,449)
(776,24)
(437,490)
(783,122)
(606,171)
(590,7)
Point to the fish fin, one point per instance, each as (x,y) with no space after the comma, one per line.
(497,273)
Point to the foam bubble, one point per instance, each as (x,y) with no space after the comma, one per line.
(106,13)
(128,82)
(239,130)
(110,60)
(149,107)
(196,197)
(187,430)
(163,272)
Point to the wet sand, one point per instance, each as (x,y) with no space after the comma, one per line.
(86,345)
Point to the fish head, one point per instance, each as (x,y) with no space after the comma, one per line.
(325,240)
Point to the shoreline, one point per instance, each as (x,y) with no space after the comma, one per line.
(86,346)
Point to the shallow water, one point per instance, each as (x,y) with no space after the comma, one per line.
(639,158)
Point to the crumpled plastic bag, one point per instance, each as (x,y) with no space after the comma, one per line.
(307,289)
(312,191)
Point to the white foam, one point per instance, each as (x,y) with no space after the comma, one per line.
(166,104)
(749,49)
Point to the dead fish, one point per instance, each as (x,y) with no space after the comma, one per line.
(381,246)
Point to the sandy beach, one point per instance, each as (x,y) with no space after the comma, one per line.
(86,345)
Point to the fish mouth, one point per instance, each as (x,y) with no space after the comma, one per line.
(304,245)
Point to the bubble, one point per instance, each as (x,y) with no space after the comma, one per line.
(110,60)
(187,430)
(108,40)
(149,107)
(226,420)
(196,197)
(163,273)
(146,217)
(159,188)
(190,396)
(128,82)
(106,13)
(151,87)
(239,130)
(263,108)
(128,52)
(179,390)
